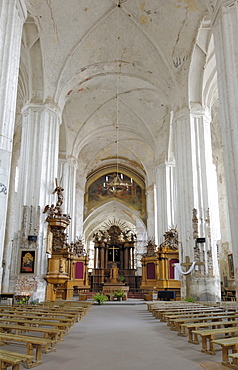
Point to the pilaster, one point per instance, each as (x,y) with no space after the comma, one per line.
(225,31)
(197,206)
(12,16)
(67,168)
(38,170)
(165,198)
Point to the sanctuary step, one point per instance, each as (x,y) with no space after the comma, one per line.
(136,295)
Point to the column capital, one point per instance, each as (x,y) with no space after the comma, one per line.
(217,8)
(53,108)
(165,164)
(69,160)
(195,109)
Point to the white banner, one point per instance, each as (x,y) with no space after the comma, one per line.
(179,268)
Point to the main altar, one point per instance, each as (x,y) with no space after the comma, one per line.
(114,250)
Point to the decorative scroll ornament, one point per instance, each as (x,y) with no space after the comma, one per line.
(151,248)
(171,239)
(77,248)
(114,235)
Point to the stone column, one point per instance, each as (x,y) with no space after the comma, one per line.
(67,176)
(225,31)
(197,210)
(166,198)
(38,170)
(12,16)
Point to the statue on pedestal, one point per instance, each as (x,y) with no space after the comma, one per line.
(113,274)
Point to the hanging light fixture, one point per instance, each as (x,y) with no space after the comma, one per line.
(117,184)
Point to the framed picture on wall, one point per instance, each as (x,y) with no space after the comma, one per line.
(27,261)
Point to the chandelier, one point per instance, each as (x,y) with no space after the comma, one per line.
(118,184)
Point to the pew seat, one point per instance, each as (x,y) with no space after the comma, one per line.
(208,337)
(31,344)
(13,359)
(228,344)
(57,325)
(49,333)
(180,325)
(193,328)
(234,358)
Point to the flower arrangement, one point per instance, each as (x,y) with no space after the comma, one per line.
(100,298)
(119,293)
(24,300)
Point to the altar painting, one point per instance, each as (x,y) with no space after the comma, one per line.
(98,193)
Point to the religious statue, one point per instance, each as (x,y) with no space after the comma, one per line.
(56,211)
(113,273)
(151,248)
(171,239)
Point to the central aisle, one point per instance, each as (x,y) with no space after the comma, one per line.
(124,337)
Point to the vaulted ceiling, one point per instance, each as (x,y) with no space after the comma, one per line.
(116,69)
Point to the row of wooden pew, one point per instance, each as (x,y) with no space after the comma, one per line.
(216,325)
(46,322)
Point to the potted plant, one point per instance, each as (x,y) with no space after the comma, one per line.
(100,298)
(121,278)
(119,294)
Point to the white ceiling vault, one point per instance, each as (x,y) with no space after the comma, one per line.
(109,64)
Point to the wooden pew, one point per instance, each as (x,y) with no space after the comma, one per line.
(180,325)
(208,337)
(14,359)
(168,317)
(27,316)
(158,313)
(234,358)
(49,333)
(74,304)
(31,344)
(58,311)
(193,328)
(57,325)
(228,344)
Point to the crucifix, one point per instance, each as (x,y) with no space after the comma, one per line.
(113,252)
(188,264)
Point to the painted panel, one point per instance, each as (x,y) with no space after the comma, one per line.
(150,270)
(79,270)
